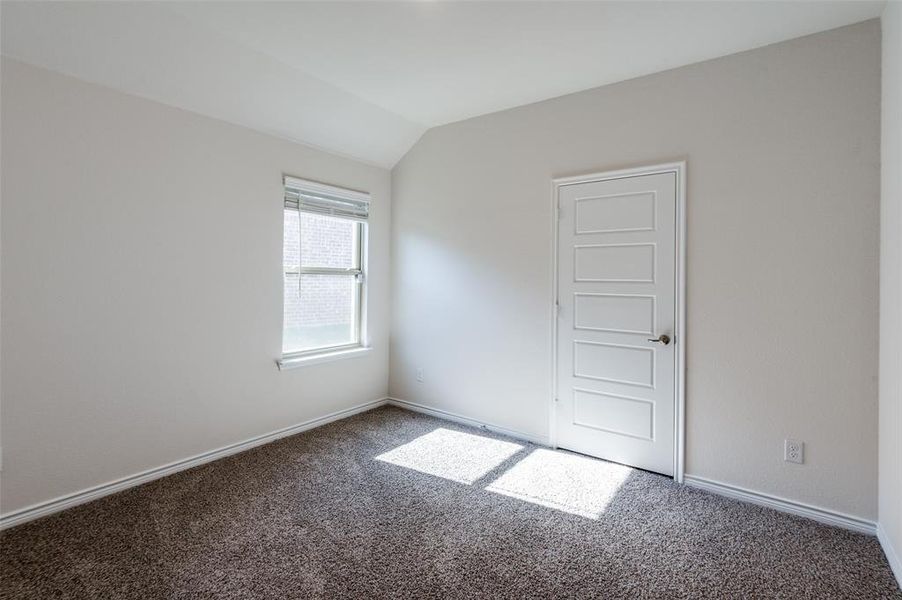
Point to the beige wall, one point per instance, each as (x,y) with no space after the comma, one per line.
(782,145)
(891,291)
(141,261)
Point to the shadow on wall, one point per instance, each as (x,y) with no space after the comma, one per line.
(559,480)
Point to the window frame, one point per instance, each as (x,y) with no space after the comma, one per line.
(359,273)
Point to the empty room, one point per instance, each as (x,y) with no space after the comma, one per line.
(450,299)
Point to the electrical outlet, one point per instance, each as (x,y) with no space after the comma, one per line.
(420,375)
(794,451)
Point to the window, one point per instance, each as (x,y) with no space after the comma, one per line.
(324,259)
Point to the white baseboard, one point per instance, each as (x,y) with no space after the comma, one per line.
(449,416)
(822,515)
(892,557)
(42,509)
(792,507)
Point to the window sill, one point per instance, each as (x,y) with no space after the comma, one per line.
(294,362)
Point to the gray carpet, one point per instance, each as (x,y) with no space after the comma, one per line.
(392,504)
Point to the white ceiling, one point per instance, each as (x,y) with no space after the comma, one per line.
(366,79)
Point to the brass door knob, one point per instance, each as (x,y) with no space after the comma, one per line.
(661,339)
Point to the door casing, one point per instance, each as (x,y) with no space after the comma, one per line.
(679,334)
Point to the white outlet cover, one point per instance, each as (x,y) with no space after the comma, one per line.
(794,451)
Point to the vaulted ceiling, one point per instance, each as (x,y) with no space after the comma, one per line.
(366,79)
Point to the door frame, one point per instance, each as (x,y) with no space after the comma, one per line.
(679,334)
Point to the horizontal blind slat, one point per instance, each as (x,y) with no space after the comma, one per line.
(326,204)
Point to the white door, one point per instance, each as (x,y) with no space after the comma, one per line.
(616,356)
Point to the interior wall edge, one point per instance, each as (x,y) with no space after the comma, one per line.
(892,557)
(890,259)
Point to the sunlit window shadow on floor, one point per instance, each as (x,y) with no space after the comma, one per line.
(568,482)
(454,455)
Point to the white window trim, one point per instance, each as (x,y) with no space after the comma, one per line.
(315,356)
(294,361)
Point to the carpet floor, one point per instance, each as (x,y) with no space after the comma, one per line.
(393,504)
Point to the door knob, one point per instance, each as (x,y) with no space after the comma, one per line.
(661,339)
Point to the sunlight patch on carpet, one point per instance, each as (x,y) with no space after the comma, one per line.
(460,457)
(568,482)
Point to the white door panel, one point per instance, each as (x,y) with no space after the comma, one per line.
(614,363)
(615,414)
(619,212)
(617,313)
(617,293)
(611,263)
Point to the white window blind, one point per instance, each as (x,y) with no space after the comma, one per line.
(323,199)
